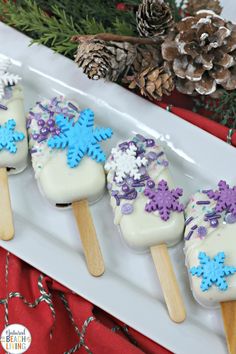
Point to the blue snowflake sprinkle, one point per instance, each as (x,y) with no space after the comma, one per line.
(80,137)
(213,271)
(8,136)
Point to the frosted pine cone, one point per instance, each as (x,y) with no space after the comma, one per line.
(154,18)
(193,6)
(203,54)
(105,60)
(153,82)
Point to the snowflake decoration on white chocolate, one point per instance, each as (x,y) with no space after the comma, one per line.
(6,78)
(9,137)
(212,271)
(80,138)
(126,163)
(225,197)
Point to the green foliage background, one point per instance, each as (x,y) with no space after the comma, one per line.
(53,23)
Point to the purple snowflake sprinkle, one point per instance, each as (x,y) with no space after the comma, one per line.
(163,200)
(225,197)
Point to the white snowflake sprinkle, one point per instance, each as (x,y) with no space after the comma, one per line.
(126,163)
(6,78)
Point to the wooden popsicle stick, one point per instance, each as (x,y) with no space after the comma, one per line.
(6,219)
(228,310)
(169,285)
(88,237)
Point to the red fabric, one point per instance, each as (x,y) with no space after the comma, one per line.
(60,320)
(182,106)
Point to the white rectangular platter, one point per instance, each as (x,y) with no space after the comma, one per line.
(48,238)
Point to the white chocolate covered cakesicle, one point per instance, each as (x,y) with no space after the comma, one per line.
(147,208)
(65,151)
(210,245)
(67,160)
(13,141)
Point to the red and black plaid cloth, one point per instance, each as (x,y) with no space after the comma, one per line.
(61,322)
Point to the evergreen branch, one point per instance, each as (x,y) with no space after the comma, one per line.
(53,31)
(223,109)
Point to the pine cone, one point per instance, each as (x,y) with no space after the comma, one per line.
(203,54)
(148,56)
(107,60)
(153,82)
(154,18)
(193,6)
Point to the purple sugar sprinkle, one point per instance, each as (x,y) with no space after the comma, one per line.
(127,209)
(52,130)
(160,154)
(230,218)
(41,123)
(115,195)
(124,146)
(150,142)
(71,105)
(203,202)
(54,101)
(140,137)
(132,194)
(41,138)
(51,122)
(3,107)
(202,231)
(217,216)
(37,116)
(214,223)
(165,163)
(33,151)
(150,183)
(28,122)
(188,235)
(189,220)
(144,178)
(35,136)
(152,155)
(194,227)
(208,215)
(137,185)
(44,131)
(44,108)
(125,188)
